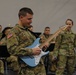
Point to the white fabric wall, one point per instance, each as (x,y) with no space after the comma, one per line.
(52,13)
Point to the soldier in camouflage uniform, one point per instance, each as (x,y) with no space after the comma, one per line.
(1,62)
(43,38)
(46,35)
(19,38)
(64,50)
(12,59)
(0,31)
(1,67)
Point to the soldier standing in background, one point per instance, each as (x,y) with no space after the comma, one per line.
(19,38)
(64,50)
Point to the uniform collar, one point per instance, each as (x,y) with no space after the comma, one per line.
(68,31)
(24,28)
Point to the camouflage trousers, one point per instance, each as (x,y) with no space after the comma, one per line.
(52,64)
(38,70)
(13,63)
(65,62)
(1,67)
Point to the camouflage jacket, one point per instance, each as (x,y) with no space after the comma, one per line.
(65,44)
(44,38)
(3,41)
(18,39)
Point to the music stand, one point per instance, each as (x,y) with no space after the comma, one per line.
(51,47)
(3,55)
(37,34)
(4,51)
(46,61)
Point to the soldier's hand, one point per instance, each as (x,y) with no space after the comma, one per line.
(45,46)
(54,58)
(36,51)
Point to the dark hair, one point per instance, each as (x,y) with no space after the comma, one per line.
(69,20)
(24,11)
(47,27)
(3,32)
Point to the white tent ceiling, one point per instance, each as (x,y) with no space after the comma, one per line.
(52,13)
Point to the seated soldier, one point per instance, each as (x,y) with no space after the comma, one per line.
(12,59)
(1,67)
(1,62)
(43,38)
